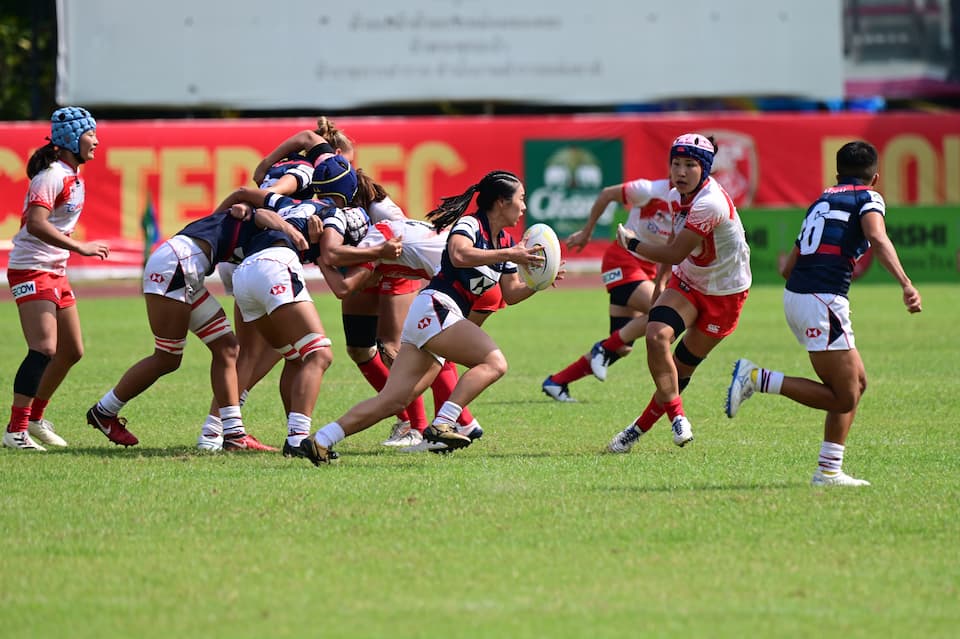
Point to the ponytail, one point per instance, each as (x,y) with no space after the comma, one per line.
(494,186)
(41,159)
(368,191)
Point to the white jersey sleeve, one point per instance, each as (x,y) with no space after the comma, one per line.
(385,209)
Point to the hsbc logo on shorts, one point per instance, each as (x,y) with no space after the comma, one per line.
(278,289)
(156,277)
(713,328)
(814,333)
(424,322)
(24,289)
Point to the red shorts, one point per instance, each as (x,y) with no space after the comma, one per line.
(399,285)
(490,301)
(32,286)
(619,266)
(717,315)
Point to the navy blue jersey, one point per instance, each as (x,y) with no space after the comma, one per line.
(351,222)
(465,285)
(831,239)
(300,168)
(224,233)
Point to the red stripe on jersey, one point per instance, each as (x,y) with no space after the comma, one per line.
(384,229)
(828,249)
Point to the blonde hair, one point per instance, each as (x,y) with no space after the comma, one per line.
(329,132)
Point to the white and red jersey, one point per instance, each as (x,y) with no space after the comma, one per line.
(385,209)
(422,247)
(59,189)
(650,216)
(721,264)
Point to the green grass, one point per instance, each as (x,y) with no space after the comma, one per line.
(532,532)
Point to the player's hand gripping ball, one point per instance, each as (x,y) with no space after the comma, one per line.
(540,276)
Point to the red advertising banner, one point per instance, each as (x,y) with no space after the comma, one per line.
(765,160)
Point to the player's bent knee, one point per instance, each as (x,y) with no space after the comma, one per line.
(361,354)
(27,380)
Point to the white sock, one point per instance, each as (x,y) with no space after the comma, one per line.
(768,381)
(110,404)
(212,427)
(449,412)
(466,429)
(330,435)
(232,422)
(298,428)
(243,397)
(831,458)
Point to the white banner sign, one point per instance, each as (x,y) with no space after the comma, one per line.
(322,55)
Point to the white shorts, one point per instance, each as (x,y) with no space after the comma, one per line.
(177,270)
(429,314)
(225,271)
(268,280)
(820,321)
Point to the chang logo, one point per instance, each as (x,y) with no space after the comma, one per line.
(564,178)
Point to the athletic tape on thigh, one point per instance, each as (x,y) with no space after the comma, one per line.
(668,316)
(172,346)
(288,352)
(207,319)
(310,343)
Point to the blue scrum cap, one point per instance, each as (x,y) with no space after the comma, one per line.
(696,146)
(68,124)
(334,176)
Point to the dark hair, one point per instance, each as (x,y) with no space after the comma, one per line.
(41,159)
(368,191)
(857,159)
(494,186)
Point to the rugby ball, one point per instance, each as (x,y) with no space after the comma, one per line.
(544,238)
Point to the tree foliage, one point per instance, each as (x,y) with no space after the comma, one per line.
(28,59)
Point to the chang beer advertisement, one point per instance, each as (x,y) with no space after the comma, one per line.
(564,177)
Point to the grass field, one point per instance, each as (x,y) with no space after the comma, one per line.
(531,532)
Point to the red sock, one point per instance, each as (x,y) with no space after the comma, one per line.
(443,387)
(417,415)
(444,383)
(674,408)
(375,371)
(578,370)
(613,343)
(37,408)
(650,415)
(465,417)
(19,418)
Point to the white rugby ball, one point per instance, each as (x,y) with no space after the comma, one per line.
(542,276)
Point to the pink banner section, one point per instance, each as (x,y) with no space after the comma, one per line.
(185,167)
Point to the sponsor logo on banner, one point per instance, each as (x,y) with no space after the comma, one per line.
(23,289)
(564,177)
(736,166)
